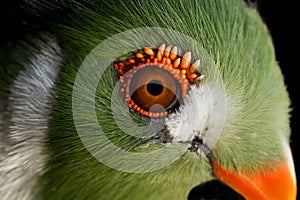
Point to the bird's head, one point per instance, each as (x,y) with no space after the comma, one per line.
(161,100)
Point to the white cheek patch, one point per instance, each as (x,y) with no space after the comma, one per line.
(201,115)
(24,123)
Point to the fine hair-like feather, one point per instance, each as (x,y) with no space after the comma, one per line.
(237,41)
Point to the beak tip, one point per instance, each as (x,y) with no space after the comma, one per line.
(278,183)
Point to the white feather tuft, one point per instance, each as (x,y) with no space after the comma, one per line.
(202,114)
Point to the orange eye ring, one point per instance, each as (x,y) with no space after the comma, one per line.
(154,83)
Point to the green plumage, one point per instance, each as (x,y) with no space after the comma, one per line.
(237,40)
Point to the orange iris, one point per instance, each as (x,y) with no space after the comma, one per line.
(155,89)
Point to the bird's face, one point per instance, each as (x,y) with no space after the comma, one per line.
(152,112)
(148,100)
(167,114)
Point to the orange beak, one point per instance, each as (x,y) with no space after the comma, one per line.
(278,184)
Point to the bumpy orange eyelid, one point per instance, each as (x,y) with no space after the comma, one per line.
(164,57)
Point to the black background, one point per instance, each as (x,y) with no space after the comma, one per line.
(280,17)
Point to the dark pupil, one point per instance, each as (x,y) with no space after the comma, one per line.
(154,87)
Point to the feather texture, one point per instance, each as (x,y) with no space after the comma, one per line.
(240,53)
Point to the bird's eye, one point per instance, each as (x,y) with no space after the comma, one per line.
(155,81)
